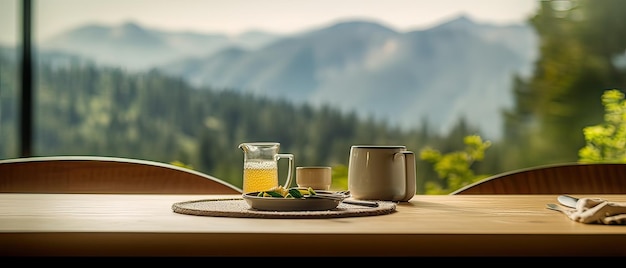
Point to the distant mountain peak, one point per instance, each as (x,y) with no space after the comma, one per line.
(130,25)
(353,26)
(462,19)
(461,22)
(128,29)
(255,32)
(359,24)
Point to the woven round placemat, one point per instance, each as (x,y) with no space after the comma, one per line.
(238,208)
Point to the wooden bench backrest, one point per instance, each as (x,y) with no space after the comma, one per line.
(569,178)
(93,174)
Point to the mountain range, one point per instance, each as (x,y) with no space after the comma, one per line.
(458,69)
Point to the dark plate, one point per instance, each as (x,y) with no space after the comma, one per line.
(290,204)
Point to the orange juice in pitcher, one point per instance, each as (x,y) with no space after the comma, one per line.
(260,166)
(259,176)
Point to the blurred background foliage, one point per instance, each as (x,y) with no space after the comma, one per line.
(87,110)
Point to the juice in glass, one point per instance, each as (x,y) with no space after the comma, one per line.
(259,176)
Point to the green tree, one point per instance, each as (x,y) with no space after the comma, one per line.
(580,42)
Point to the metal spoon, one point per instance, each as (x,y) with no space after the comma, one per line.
(361,203)
(568,201)
(342,198)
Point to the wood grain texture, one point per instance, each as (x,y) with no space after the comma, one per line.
(428,225)
(569,178)
(91,174)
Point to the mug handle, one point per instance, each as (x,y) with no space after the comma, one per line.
(289,172)
(410,174)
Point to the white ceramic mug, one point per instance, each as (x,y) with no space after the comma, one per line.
(317,177)
(379,172)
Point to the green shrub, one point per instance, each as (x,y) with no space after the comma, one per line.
(454,168)
(606,142)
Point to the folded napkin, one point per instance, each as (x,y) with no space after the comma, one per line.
(598,211)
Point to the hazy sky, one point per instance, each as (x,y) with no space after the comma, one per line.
(236,16)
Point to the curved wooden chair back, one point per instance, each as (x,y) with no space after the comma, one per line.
(568,178)
(94,174)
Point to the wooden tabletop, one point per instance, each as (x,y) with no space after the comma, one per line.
(428,225)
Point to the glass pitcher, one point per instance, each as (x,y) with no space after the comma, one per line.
(260,166)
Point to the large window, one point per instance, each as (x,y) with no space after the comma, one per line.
(188,81)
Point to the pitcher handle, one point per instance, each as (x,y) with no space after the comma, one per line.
(410,173)
(289,172)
